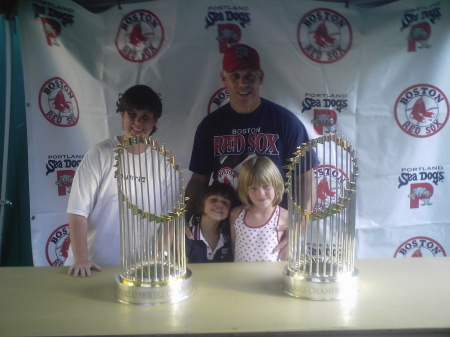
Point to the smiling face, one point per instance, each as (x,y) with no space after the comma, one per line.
(138,122)
(261,195)
(216,208)
(243,87)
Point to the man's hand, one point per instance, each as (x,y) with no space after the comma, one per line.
(283,246)
(188,232)
(83,268)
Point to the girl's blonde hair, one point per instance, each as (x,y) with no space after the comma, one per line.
(259,170)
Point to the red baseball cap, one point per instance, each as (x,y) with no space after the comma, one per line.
(239,54)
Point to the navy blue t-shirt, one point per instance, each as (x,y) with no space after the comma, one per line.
(225,139)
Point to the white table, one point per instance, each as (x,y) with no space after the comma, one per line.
(401,297)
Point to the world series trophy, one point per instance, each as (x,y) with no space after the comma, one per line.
(321,210)
(152,226)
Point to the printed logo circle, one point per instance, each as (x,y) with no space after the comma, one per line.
(140,36)
(57,248)
(421,110)
(324,36)
(218,99)
(228,176)
(58,103)
(420,246)
(331,184)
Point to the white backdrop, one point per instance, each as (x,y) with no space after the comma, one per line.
(380,77)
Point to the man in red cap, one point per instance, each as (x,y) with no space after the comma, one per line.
(247,126)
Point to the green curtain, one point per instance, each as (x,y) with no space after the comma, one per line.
(15,243)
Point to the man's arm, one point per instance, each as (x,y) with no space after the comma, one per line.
(78,239)
(234,213)
(194,189)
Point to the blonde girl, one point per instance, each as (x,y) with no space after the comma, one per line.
(254,234)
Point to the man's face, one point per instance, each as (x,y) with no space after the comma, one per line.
(243,87)
(138,122)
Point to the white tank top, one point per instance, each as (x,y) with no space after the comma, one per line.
(255,244)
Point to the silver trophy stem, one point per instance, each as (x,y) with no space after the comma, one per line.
(151,206)
(321,209)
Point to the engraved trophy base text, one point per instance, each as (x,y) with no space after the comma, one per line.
(320,288)
(150,293)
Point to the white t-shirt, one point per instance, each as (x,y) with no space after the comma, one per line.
(94,195)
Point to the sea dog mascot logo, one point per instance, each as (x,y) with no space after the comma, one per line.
(52,18)
(421,110)
(218,99)
(420,33)
(57,248)
(228,35)
(228,20)
(420,193)
(52,29)
(420,246)
(418,21)
(324,36)
(64,182)
(324,121)
(58,103)
(140,36)
(331,183)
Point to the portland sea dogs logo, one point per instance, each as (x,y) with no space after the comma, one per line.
(324,121)
(52,17)
(421,110)
(140,36)
(58,103)
(57,248)
(421,189)
(229,20)
(324,36)
(419,21)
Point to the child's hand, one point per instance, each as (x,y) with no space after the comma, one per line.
(83,268)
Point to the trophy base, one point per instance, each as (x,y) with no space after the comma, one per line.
(320,288)
(153,293)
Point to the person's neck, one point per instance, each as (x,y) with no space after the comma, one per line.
(244,109)
(210,231)
(263,212)
(209,226)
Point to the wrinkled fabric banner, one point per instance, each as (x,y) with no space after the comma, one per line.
(378,76)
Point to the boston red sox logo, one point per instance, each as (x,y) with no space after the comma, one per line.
(421,110)
(58,103)
(324,36)
(140,36)
(57,248)
(218,99)
(420,246)
(331,182)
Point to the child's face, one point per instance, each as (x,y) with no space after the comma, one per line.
(261,194)
(216,207)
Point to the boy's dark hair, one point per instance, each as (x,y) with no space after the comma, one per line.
(141,97)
